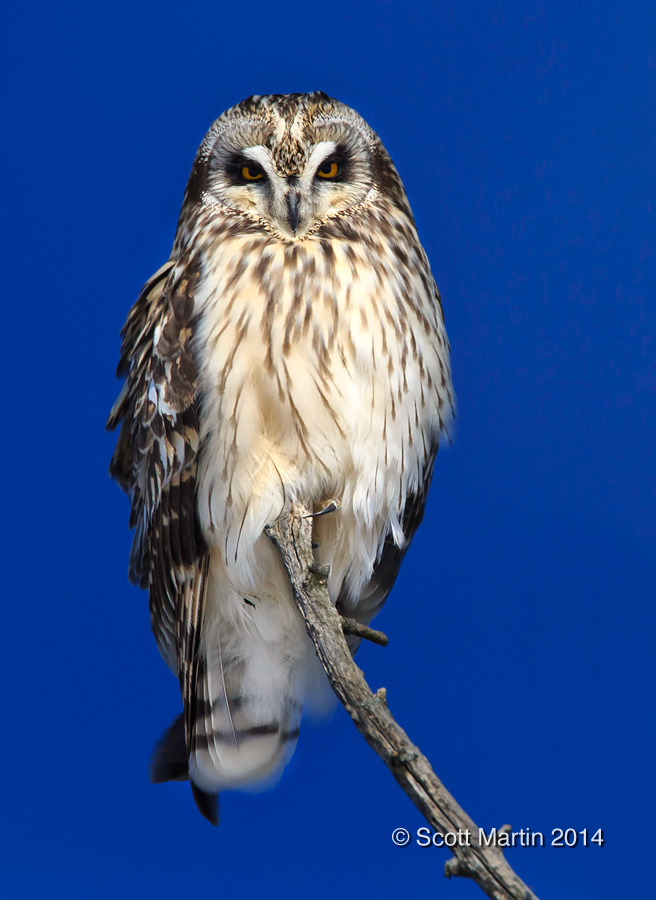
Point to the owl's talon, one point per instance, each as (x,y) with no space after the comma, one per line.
(332,506)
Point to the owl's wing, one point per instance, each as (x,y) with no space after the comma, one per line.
(387,567)
(156,453)
(155,462)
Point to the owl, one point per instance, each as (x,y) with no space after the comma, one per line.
(292,349)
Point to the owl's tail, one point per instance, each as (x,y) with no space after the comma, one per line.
(251,673)
(229,748)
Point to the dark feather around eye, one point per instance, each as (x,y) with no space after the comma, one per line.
(339,158)
(244,171)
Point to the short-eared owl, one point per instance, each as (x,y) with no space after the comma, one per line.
(292,348)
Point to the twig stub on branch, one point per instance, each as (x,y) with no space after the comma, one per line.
(350,626)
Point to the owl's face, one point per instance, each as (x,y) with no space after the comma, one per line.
(335,177)
(289,161)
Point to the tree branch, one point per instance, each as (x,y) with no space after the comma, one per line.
(486,865)
(350,626)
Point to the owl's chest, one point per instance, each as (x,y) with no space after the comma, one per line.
(313,366)
(290,340)
(317,379)
(284,391)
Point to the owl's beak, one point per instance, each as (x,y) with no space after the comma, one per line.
(292,209)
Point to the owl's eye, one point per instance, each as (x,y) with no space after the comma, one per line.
(329,170)
(252,173)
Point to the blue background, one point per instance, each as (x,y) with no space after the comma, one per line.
(522,623)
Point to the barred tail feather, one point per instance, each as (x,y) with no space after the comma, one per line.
(233,746)
(169,762)
(254,665)
(230,746)
(207,803)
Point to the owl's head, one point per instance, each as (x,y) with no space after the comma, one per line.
(292,162)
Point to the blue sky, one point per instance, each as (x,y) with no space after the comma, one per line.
(521,627)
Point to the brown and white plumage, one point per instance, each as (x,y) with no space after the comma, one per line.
(293,347)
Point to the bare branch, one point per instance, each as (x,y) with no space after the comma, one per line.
(350,626)
(486,865)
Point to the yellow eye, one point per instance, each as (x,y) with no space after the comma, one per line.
(328,170)
(252,173)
